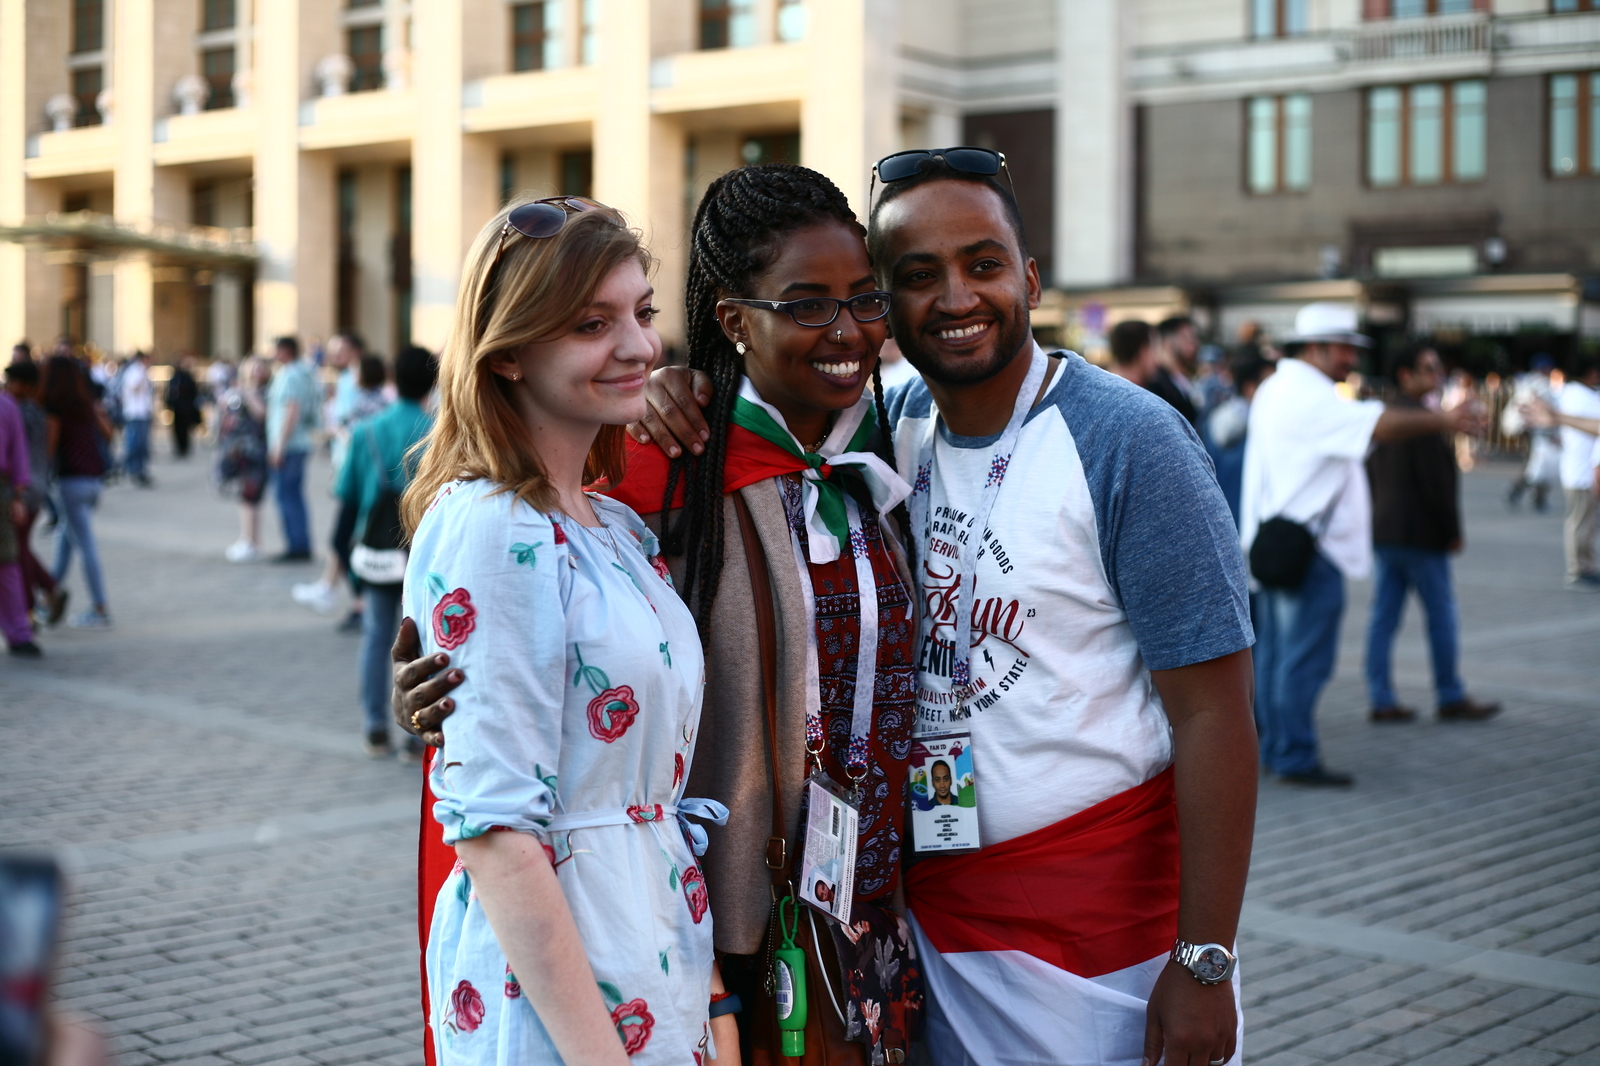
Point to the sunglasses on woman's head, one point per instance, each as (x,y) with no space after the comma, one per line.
(967,160)
(542,218)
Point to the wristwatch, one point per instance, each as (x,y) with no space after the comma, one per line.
(1211,964)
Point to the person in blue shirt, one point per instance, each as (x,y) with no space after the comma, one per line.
(374,461)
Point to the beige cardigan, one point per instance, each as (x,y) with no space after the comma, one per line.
(730,758)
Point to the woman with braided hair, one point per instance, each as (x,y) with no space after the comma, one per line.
(784,317)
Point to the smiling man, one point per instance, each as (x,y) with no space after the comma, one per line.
(1092,636)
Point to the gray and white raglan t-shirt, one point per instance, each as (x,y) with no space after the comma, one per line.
(1110,552)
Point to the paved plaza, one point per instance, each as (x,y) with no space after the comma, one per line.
(243,877)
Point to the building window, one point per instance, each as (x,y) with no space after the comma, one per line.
(577,173)
(1561,7)
(1427,134)
(1574,125)
(86,85)
(88,25)
(727,23)
(1277,18)
(791,20)
(217,15)
(586,39)
(536,36)
(1278,143)
(365,48)
(1410,9)
(216,66)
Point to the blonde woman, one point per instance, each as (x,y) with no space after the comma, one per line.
(574,928)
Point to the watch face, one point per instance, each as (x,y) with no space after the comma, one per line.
(1211,965)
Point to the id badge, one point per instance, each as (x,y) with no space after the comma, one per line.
(944,794)
(828,849)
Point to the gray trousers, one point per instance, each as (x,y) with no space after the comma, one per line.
(1583,522)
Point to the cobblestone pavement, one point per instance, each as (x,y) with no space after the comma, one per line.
(242,876)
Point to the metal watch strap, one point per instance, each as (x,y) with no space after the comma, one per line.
(1187,955)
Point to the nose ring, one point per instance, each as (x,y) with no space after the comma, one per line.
(838,335)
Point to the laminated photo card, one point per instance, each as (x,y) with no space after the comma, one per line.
(944,795)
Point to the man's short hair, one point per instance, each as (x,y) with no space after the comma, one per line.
(25,372)
(1172,325)
(415,371)
(1406,359)
(1248,367)
(371,373)
(935,169)
(289,343)
(1127,340)
(354,340)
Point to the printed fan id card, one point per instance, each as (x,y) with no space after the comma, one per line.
(944,794)
(828,849)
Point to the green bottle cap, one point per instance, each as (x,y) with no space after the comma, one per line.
(794,1043)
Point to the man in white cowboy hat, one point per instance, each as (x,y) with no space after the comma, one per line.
(1303,463)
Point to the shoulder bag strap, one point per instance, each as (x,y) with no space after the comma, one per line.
(767,637)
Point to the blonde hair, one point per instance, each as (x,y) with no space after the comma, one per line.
(536,292)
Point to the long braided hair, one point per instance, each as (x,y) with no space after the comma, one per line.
(738,227)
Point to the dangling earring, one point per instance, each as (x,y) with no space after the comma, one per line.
(739,347)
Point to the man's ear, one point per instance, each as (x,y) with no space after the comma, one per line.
(1035,289)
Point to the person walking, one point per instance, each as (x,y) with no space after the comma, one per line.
(22,382)
(1543,469)
(374,474)
(1304,469)
(1228,426)
(242,452)
(293,410)
(136,402)
(1416,527)
(183,400)
(1580,461)
(16,478)
(1178,365)
(76,428)
(1133,352)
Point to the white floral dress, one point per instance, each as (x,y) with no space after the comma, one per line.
(575,724)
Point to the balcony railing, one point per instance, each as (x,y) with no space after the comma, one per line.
(1444,35)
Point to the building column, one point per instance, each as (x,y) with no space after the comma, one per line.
(850,116)
(454,175)
(20,269)
(296,226)
(134,195)
(1094,179)
(374,238)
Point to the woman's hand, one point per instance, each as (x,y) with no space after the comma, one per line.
(673,420)
(421,684)
(725,1029)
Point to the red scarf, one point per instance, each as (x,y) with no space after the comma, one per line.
(749,459)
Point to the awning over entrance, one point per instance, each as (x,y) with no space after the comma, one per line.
(96,236)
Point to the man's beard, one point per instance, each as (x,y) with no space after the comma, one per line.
(1012,333)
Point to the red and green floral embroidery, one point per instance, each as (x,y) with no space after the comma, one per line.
(631,1017)
(561,534)
(454,616)
(513,987)
(527,554)
(646,812)
(466,1010)
(659,564)
(613,708)
(694,891)
(677,769)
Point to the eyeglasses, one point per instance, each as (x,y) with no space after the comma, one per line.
(967,160)
(819,311)
(542,218)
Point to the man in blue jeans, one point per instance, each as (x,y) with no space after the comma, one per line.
(293,408)
(1416,526)
(1304,462)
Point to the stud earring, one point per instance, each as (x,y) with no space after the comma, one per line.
(740,348)
(516,377)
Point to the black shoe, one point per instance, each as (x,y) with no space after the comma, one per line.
(377,745)
(1395,713)
(27,649)
(1319,777)
(1467,710)
(351,623)
(58,606)
(292,557)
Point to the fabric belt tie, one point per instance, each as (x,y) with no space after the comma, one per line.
(640,813)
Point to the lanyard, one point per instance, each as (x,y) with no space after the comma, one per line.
(855,759)
(921,504)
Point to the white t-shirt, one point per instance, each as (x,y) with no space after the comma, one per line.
(1580,451)
(1110,553)
(136,392)
(1304,460)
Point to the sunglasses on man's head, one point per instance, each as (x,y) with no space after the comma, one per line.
(966,160)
